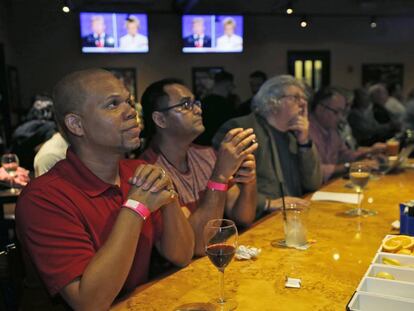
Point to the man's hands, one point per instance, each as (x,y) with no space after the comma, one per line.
(236,146)
(300,125)
(21,177)
(151,186)
(247,170)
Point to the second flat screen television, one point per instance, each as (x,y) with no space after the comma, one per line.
(212,33)
(114,32)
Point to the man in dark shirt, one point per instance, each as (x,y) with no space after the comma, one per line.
(217,107)
(379,97)
(286,158)
(256,80)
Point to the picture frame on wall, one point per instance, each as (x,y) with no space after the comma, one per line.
(391,74)
(203,80)
(128,77)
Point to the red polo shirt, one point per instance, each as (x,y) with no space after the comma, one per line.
(65,216)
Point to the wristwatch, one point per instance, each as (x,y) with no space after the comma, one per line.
(307,145)
(138,208)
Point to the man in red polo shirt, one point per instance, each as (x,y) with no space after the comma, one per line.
(89,224)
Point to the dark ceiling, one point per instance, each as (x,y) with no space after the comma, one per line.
(255,7)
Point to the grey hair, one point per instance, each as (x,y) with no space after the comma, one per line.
(267,98)
(375,88)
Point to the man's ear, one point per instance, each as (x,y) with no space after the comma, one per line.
(159,119)
(73,123)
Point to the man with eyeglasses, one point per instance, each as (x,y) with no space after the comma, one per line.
(328,109)
(287,160)
(210,185)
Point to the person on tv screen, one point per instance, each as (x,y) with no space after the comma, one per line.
(229,40)
(133,40)
(98,38)
(198,39)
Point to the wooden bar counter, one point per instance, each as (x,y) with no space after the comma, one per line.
(330,269)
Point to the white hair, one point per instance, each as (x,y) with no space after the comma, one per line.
(267,98)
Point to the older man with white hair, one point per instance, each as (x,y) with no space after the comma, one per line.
(287,161)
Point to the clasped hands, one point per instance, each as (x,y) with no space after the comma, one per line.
(235,157)
(151,186)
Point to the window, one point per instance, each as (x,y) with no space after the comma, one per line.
(312,67)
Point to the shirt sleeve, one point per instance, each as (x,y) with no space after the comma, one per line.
(327,171)
(55,238)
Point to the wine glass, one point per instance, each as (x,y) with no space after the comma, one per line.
(220,238)
(10,163)
(359,173)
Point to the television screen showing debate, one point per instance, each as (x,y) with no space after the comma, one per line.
(114,32)
(212,33)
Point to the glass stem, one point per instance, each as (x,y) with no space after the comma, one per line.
(359,210)
(221,280)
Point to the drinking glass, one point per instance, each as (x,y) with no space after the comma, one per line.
(359,174)
(10,163)
(220,238)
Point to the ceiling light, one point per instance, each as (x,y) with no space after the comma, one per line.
(303,22)
(289,8)
(66,7)
(373,24)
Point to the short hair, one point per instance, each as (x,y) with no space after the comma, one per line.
(229,21)
(198,20)
(70,92)
(258,74)
(132,19)
(154,98)
(267,98)
(325,93)
(373,89)
(97,18)
(223,76)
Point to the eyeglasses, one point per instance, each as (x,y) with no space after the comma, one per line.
(186,104)
(337,112)
(295,98)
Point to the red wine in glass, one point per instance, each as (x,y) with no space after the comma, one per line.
(220,254)
(220,238)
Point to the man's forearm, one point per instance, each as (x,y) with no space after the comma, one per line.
(177,242)
(244,211)
(211,206)
(106,273)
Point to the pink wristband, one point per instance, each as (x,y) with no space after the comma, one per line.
(216,186)
(138,208)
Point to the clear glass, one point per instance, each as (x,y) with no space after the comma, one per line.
(10,163)
(359,174)
(220,238)
(295,226)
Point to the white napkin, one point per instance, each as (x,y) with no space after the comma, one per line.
(247,252)
(351,198)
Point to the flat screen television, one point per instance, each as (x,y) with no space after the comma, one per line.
(212,33)
(113,32)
